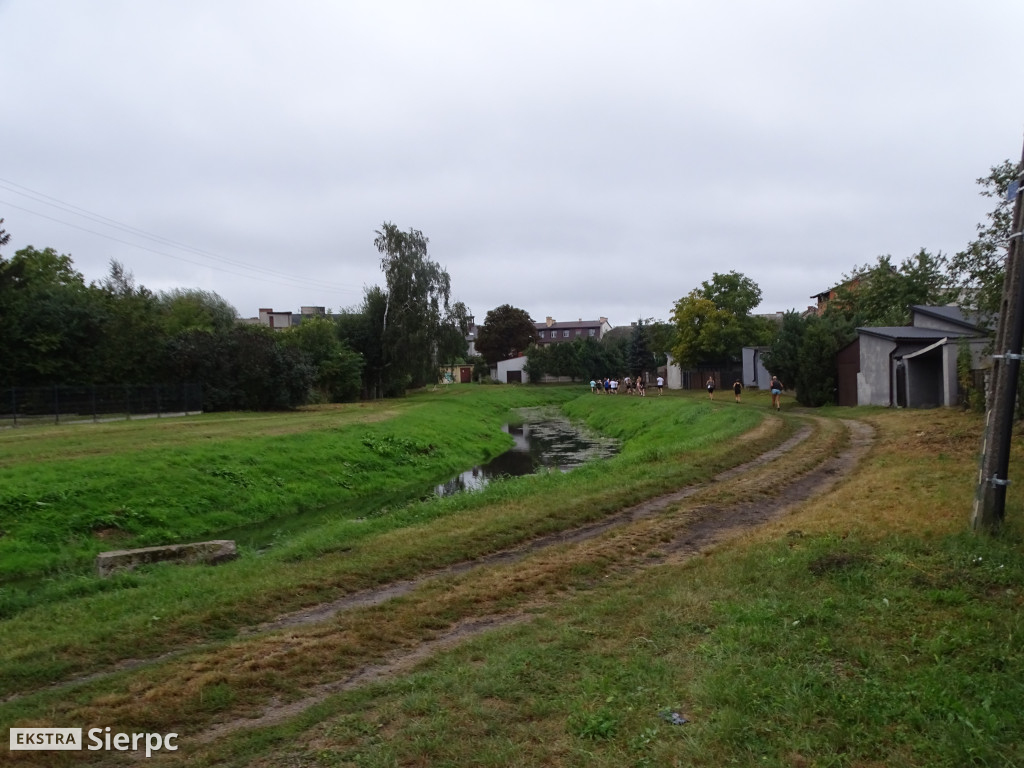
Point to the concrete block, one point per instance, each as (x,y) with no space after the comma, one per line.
(210,552)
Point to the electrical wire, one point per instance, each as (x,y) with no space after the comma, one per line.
(271,275)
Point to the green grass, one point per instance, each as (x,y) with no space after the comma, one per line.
(368,534)
(870,628)
(866,628)
(62,508)
(815,651)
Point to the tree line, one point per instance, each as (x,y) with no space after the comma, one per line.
(60,330)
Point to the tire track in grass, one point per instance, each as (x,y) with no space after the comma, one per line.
(711,525)
(466,627)
(378,595)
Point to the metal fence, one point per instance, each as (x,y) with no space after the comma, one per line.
(63,404)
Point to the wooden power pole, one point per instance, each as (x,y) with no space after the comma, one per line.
(990,498)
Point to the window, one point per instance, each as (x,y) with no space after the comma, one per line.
(542,334)
(590,332)
(565,334)
(578,331)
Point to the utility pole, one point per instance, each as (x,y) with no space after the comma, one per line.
(990,498)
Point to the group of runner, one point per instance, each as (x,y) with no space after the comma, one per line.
(609,386)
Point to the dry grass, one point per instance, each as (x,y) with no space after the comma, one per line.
(241,679)
(903,486)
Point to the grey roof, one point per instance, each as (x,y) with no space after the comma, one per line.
(570,324)
(912,333)
(951,314)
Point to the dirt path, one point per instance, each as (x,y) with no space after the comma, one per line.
(707,526)
(669,528)
(646,509)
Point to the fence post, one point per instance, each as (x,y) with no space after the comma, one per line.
(56,404)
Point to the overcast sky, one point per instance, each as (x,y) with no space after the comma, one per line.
(576,159)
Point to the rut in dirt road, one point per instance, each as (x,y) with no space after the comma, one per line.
(710,524)
(706,525)
(381,594)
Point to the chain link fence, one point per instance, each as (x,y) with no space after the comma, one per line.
(63,404)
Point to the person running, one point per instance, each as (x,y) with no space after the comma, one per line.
(661,383)
(736,389)
(641,388)
(593,387)
(776,388)
(711,387)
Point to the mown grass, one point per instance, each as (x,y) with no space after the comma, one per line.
(820,652)
(868,628)
(162,608)
(147,483)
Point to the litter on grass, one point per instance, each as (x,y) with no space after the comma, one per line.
(672,717)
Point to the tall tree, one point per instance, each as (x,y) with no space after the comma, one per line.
(132,339)
(506,332)
(979,269)
(565,360)
(783,355)
(803,354)
(817,372)
(50,320)
(639,356)
(360,327)
(661,336)
(713,323)
(185,309)
(452,346)
(416,306)
(5,237)
(882,293)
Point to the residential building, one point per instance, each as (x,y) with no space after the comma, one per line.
(823,299)
(553,332)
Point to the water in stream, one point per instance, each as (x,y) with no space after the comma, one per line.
(545,440)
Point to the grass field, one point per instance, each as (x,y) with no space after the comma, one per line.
(867,627)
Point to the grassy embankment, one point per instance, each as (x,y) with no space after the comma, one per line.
(357,466)
(866,628)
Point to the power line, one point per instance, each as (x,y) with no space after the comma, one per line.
(271,275)
(295,282)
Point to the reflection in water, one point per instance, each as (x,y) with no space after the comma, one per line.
(545,439)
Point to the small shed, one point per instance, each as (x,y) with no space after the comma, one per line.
(511,371)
